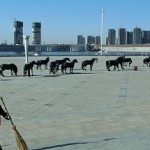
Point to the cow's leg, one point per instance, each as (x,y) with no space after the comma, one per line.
(114,68)
(49,70)
(118,67)
(1,73)
(29,72)
(108,68)
(11,72)
(121,64)
(83,68)
(91,67)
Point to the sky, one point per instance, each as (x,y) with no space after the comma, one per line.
(63,20)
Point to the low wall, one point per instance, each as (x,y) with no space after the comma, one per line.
(127,49)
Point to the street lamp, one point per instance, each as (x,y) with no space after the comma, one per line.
(102,21)
(26,44)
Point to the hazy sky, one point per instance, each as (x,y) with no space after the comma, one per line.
(63,20)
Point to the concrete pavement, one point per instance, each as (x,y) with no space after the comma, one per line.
(96,110)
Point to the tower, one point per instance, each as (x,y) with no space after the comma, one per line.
(121,36)
(80,40)
(129,37)
(97,40)
(18,32)
(36,33)
(90,39)
(111,36)
(137,35)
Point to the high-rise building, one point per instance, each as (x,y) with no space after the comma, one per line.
(111,37)
(145,37)
(97,40)
(129,37)
(90,39)
(80,40)
(36,33)
(18,32)
(137,35)
(121,36)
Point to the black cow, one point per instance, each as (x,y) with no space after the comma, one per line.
(28,67)
(62,61)
(42,62)
(12,67)
(68,65)
(88,62)
(127,61)
(115,63)
(146,61)
(53,67)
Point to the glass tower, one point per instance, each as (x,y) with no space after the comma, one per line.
(36,33)
(18,33)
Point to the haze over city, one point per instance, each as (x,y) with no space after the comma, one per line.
(63,20)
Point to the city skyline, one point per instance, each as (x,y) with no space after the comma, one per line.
(63,20)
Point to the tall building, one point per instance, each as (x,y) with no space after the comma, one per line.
(80,40)
(36,33)
(121,36)
(90,39)
(97,40)
(137,35)
(129,37)
(145,37)
(111,37)
(18,32)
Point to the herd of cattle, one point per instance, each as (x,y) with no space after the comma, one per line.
(53,66)
(65,63)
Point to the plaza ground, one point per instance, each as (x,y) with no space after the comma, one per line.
(87,110)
